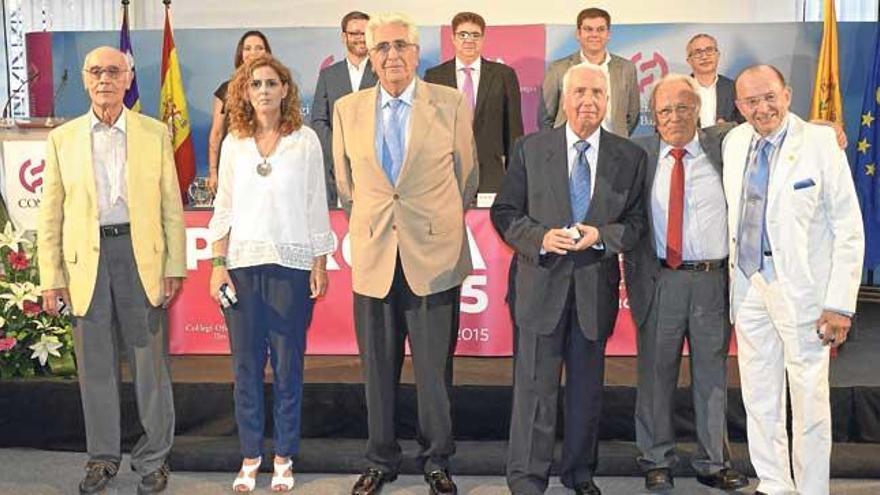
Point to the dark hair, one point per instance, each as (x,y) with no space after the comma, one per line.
(756,67)
(354,15)
(239,56)
(238,106)
(593,13)
(462,17)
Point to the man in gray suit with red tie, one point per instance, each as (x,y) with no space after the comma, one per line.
(492,90)
(570,202)
(593,34)
(353,73)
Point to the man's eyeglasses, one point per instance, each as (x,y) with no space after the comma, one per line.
(112,72)
(680,110)
(469,35)
(596,30)
(354,34)
(703,52)
(753,101)
(385,47)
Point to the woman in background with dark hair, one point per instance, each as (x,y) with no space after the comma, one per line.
(270,235)
(251,44)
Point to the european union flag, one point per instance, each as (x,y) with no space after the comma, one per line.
(867,154)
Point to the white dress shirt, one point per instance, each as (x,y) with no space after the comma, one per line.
(356,73)
(708,103)
(475,75)
(607,121)
(109,155)
(704,223)
(281,218)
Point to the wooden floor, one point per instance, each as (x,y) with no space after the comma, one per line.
(619,371)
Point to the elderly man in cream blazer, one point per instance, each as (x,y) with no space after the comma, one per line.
(112,248)
(796,249)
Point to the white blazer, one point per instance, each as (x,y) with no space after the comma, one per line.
(813,220)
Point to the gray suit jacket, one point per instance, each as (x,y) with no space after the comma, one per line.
(642,265)
(333,83)
(625,103)
(535,198)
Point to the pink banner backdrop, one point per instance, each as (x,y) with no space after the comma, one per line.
(521,47)
(197,327)
(40,89)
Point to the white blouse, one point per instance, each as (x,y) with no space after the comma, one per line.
(281,218)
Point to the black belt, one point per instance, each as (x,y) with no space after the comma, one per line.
(115,230)
(697,266)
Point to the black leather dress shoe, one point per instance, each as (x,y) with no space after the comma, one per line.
(659,479)
(370,483)
(726,479)
(441,483)
(587,488)
(154,482)
(98,475)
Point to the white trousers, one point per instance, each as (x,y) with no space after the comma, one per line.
(772,346)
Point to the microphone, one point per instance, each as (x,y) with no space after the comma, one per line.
(31,78)
(49,120)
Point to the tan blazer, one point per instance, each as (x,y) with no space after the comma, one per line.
(422,216)
(68,238)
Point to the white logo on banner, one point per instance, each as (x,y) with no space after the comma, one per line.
(23,165)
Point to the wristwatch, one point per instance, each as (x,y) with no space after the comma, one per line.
(218,261)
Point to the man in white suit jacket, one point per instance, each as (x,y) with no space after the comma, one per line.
(796,250)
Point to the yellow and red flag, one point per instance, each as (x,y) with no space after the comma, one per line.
(172,110)
(827,104)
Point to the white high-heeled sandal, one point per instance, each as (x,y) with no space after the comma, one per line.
(245,479)
(279,480)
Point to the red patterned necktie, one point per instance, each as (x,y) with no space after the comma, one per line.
(675,218)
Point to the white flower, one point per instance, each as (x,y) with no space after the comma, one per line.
(11,239)
(19,293)
(48,344)
(2,322)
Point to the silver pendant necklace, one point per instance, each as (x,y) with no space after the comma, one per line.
(264,168)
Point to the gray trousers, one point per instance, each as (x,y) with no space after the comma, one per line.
(694,305)
(121,319)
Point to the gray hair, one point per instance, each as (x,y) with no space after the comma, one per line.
(384,19)
(672,77)
(580,67)
(128,60)
(696,37)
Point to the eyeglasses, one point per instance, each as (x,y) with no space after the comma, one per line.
(703,52)
(597,30)
(469,35)
(112,72)
(753,101)
(385,47)
(259,83)
(681,110)
(354,34)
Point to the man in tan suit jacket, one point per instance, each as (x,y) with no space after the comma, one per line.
(406,170)
(111,245)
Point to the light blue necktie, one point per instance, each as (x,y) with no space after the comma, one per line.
(579,183)
(392,141)
(753,232)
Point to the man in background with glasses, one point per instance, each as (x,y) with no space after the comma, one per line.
(352,73)
(677,287)
(715,90)
(593,33)
(112,249)
(492,91)
(406,171)
(796,249)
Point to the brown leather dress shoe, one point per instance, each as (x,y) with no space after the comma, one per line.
(726,479)
(370,483)
(441,483)
(154,482)
(98,475)
(659,479)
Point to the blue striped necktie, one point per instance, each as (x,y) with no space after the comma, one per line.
(392,141)
(579,183)
(753,232)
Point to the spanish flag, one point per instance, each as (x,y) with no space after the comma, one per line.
(172,110)
(826,103)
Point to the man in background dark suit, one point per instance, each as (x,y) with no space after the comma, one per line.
(346,76)
(718,101)
(677,287)
(570,202)
(492,92)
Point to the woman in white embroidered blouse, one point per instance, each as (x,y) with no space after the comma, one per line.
(271,234)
